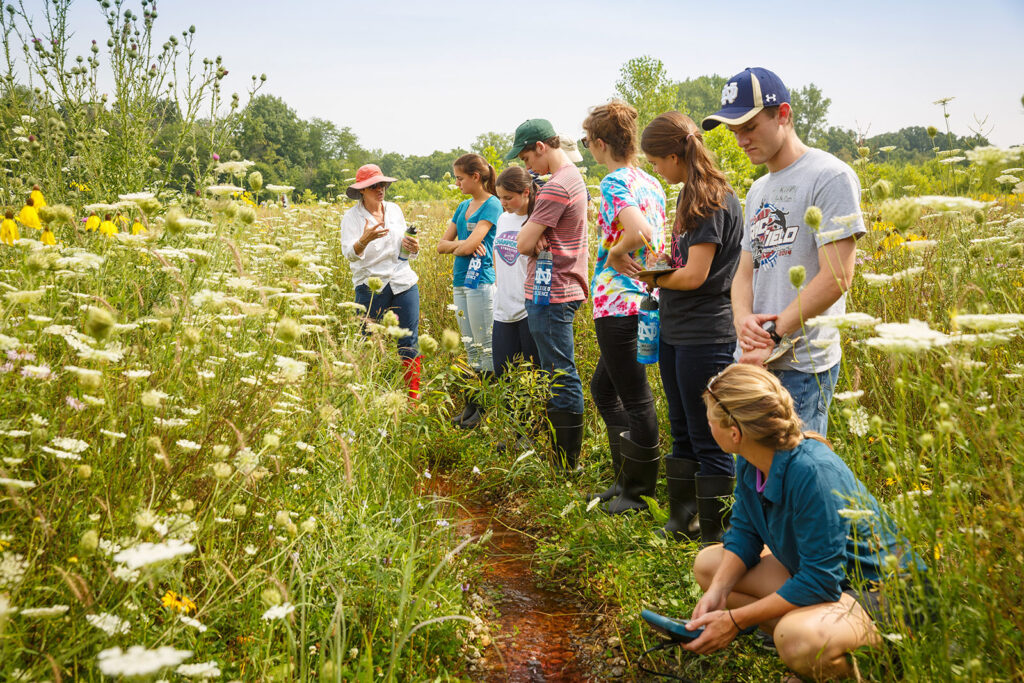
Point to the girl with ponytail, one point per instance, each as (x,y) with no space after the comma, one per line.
(470,234)
(697,333)
(632,210)
(811,557)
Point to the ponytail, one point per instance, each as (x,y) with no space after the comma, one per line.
(706,187)
(474,163)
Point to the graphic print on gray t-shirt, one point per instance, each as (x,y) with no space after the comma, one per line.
(777,239)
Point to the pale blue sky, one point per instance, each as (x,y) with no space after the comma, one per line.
(413,77)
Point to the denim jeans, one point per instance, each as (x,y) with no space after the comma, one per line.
(511,341)
(619,385)
(406,305)
(551,327)
(685,371)
(476,319)
(812,394)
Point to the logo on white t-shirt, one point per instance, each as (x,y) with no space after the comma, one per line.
(505,247)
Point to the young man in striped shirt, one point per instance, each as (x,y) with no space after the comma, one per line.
(558,224)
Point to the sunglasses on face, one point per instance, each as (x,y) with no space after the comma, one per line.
(720,404)
(378,186)
(585,142)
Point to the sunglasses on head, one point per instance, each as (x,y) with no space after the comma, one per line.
(720,404)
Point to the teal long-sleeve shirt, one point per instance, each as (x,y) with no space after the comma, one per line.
(798,518)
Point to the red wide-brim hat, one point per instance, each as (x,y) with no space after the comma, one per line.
(367,175)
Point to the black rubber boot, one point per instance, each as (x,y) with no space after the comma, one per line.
(615,450)
(473,412)
(713,508)
(567,438)
(640,466)
(682,498)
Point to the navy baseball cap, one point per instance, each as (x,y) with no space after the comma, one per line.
(745,94)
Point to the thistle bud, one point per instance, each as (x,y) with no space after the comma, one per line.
(256,181)
(932,131)
(979,216)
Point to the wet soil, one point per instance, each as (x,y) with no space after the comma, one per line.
(537,634)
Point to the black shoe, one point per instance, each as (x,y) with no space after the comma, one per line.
(640,466)
(615,449)
(470,417)
(713,507)
(567,438)
(682,499)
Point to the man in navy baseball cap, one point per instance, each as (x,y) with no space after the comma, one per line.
(745,94)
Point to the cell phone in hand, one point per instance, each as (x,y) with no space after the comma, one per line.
(675,629)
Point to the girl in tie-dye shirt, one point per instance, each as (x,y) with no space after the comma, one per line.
(632,210)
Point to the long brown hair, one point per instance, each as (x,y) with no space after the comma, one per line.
(615,123)
(706,187)
(517,180)
(474,163)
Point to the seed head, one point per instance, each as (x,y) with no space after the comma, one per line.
(288,330)
(375,284)
(932,131)
(174,220)
(256,181)
(99,323)
(221,470)
(89,542)
(389,319)
(864,152)
(797,275)
(979,216)
(881,190)
(292,258)
(903,213)
(247,214)
(450,341)
(812,217)
(428,345)
(239,510)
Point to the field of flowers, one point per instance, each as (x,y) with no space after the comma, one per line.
(207,469)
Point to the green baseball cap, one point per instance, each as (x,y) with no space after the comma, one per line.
(530,132)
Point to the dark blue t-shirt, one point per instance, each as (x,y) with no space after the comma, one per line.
(489,211)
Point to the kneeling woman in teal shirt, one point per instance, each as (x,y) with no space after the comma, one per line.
(809,547)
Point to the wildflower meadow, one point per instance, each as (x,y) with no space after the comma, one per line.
(210,467)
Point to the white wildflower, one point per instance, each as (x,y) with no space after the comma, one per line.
(145,554)
(45,612)
(139,661)
(200,670)
(108,623)
(855,515)
(278,611)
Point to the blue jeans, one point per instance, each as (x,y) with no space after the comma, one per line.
(476,320)
(551,327)
(812,394)
(512,343)
(685,371)
(406,305)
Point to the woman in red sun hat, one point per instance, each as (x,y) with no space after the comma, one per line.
(374,240)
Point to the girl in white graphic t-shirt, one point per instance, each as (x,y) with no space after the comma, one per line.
(511,340)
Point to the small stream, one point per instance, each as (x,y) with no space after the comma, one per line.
(538,631)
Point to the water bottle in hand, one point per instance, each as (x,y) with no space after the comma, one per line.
(403,253)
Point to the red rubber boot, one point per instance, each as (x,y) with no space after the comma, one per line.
(412,376)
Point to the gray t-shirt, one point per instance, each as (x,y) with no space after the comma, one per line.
(777,239)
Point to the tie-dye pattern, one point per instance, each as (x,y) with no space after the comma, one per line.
(615,294)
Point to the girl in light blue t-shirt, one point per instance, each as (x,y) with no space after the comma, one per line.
(470,236)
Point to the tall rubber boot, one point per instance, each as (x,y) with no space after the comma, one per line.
(640,466)
(413,367)
(567,438)
(615,449)
(682,498)
(470,416)
(713,507)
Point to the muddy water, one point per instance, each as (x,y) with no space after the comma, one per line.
(537,629)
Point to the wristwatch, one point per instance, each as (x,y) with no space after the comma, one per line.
(769,327)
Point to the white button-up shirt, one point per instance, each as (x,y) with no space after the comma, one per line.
(380,257)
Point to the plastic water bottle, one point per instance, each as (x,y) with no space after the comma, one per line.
(472,279)
(648,331)
(403,253)
(542,279)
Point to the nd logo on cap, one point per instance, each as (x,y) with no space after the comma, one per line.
(745,94)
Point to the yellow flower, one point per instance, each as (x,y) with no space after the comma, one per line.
(48,238)
(92,223)
(178,603)
(8,231)
(30,217)
(37,198)
(138,228)
(108,228)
